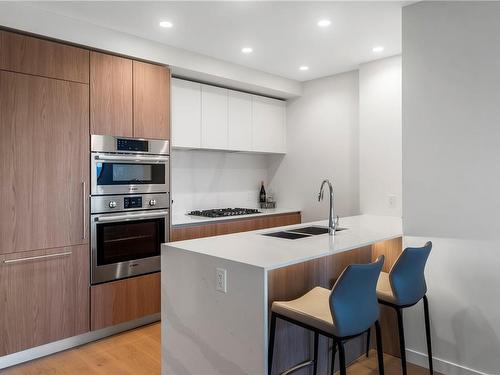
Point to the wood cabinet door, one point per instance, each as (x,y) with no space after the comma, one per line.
(26,54)
(45,297)
(110,95)
(151,101)
(268,125)
(213,117)
(44,162)
(186,114)
(239,121)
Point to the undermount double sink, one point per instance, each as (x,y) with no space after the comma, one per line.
(303,232)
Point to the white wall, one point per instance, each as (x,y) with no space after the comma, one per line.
(451,179)
(322,142)
(211,179)
(26,17)
(380,156)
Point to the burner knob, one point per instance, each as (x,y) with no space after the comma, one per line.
(152,202)
(112,204)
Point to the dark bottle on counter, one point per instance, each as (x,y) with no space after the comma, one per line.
(262,195)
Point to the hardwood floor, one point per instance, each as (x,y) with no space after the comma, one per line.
(137,352)
(130,353)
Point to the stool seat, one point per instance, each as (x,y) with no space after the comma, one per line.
(313,309)
(384,288)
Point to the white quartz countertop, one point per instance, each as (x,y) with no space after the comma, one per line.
(185,219)
(254,249)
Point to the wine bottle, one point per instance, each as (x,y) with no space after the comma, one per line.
(262,195)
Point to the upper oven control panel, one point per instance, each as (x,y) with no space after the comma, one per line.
(124,145)
(117,203)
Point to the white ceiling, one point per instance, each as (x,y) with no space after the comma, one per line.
(283,35)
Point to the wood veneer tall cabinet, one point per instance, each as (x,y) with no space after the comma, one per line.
(44,135)
(128,98)
(44,162)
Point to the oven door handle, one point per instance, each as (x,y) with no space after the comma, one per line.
(133,158)
(158,214)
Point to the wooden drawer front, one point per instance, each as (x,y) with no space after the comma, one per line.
(124,300)
(43,299)
(44,135)
(234,226)
(25,54)
(151,101)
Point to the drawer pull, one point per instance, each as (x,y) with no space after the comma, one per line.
(48,256)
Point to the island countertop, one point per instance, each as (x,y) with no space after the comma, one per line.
(252,248)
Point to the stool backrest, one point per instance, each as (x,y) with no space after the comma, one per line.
(407,275)
(353,299)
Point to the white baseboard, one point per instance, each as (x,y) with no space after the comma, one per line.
(71,342)
(440,365)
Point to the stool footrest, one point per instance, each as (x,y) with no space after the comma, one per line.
(309,362)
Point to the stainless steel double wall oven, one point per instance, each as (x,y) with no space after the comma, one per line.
(129,206)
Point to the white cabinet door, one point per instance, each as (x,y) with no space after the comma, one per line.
(268,125)
(213,117)
(186,114)
(240,121)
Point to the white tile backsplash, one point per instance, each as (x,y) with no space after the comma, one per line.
(209,179)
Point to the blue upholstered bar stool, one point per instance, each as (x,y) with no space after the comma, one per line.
(348,310)
(404,286)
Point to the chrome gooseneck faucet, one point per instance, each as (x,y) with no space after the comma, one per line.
(332,219)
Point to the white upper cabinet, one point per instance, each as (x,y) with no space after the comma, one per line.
(240,121)
(268,125)
(209,117)
(214,117)
(186,114)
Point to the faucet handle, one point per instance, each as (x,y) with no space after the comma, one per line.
(337,222)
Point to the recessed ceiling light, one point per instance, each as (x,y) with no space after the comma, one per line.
(166,24)
(247,50)
(377,49)
(304,67)
(324,23)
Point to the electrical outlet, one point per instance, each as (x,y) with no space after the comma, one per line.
(221,280)
(391,201)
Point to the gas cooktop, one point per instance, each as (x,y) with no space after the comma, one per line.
(223,212)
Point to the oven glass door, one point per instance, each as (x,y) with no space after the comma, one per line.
(129,174)
(127,244)
(129,240)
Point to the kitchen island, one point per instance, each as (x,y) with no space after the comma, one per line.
(216,326)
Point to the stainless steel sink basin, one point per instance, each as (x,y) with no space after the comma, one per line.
(295,234)
(314,230)
(287,235)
